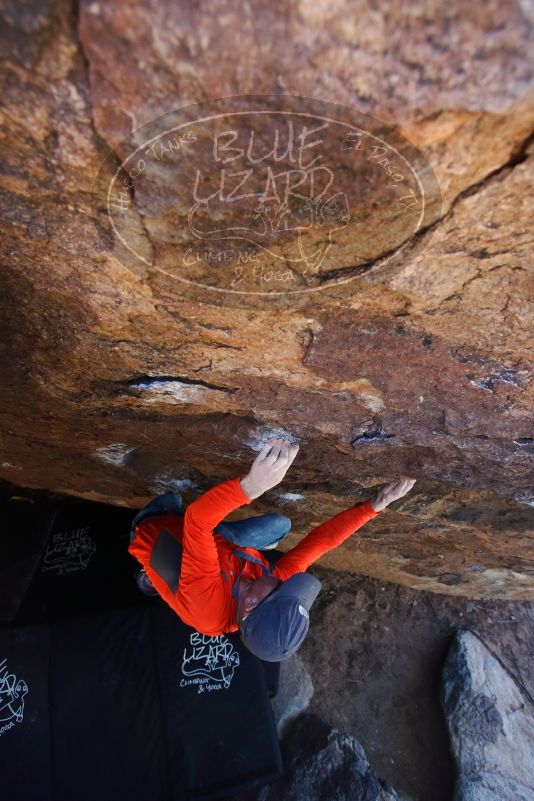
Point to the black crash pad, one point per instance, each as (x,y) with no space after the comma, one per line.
(131,703)
(25,527)
(104,692)
(84,563)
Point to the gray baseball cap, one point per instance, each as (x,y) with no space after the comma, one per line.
(276,628)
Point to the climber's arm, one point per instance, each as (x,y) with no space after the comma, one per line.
(201,582)
(322,539)
(202,590)
(335,531)
(200,552)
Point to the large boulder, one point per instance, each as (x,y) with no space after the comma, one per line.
(404,349)
(323,763)
(491,725)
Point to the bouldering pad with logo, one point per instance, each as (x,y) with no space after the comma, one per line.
(132,703)
(84,564)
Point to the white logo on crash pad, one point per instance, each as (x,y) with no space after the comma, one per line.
(210,661)
(12,692)
(69,551)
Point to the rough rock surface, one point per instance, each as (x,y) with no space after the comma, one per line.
(491,724)
(119,382)
(322,763)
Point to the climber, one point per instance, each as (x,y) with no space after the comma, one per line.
(214,575)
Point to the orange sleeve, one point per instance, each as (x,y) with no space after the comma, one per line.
(202,590)
(322,539)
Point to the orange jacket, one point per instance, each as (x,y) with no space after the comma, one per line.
(210,567)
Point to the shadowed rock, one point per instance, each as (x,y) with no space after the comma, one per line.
(322,764)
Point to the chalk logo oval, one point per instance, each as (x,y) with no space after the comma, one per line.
(263,195)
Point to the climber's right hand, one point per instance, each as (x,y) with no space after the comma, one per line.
(269,467)
(392,492)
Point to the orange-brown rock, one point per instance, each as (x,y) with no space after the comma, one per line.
(389,346)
